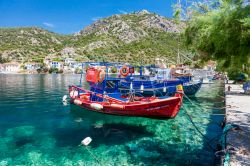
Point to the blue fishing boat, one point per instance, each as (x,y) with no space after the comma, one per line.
(158,82)
(190,86)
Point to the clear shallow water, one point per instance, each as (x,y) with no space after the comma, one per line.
(36,128)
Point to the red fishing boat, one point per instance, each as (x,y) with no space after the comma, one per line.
(104,97)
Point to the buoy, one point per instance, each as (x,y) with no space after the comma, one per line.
(64,99)
(179,87)
(96,106)
(119,106)
(164,89)
(73,94)
(124,71)
(142,88)
(78,102)
(86,141)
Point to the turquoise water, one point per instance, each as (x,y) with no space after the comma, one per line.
(36,128)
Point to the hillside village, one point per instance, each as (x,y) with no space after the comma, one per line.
(136,38)
(69,65)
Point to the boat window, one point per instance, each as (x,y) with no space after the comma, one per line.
(143,78)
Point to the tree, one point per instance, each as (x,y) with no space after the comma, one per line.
(3,59)
(222,33)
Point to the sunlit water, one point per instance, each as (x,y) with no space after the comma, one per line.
(37,129)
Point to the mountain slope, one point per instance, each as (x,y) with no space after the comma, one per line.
(29,43)
(136,38)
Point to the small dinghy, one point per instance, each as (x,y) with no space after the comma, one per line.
(104,97)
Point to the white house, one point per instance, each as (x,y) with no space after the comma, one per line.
(54,64)
(32,66)
(211,66)
(69,61)
(10,67)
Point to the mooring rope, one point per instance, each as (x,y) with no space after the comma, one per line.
(227,151)
(196,105)
(94,156)
(191,120)
(201,107)
(207,140)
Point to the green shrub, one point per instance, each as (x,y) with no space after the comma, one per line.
(53,70)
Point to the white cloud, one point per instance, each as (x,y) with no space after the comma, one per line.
(47,24)
(96,18)
(122,11)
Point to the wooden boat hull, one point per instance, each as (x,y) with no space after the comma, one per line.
(150,107)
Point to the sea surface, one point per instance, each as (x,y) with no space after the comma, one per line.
(36,128)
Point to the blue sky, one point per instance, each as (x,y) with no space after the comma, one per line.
(70,16)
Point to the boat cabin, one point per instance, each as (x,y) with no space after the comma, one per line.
(99,81)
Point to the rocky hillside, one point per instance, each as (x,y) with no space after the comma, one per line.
(137,37)
(29,44)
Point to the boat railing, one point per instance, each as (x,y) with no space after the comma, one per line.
(78,89)
(81,89)
(153,89)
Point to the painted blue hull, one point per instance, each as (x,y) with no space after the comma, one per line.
(190,89)
(157,88)
(152,87)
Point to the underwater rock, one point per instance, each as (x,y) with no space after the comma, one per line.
(23,141)
(34,157)
(6,144)
(145,148)
(48,143)
(148,154)
(132,147)
(5,162)
(20,131)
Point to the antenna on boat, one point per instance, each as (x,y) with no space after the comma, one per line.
(105,77)
(81,76)
(141,70)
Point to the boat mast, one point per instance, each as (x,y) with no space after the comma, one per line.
(81,76)
(178,46)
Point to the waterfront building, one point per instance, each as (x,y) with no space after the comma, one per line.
(69,61)
(211,66)
(32,66)
(54,64)
(10,67)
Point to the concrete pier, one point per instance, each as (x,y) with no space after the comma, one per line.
(238,113)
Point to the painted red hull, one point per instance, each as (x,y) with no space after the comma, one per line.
(147,107)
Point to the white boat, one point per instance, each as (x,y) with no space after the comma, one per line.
(207,81)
